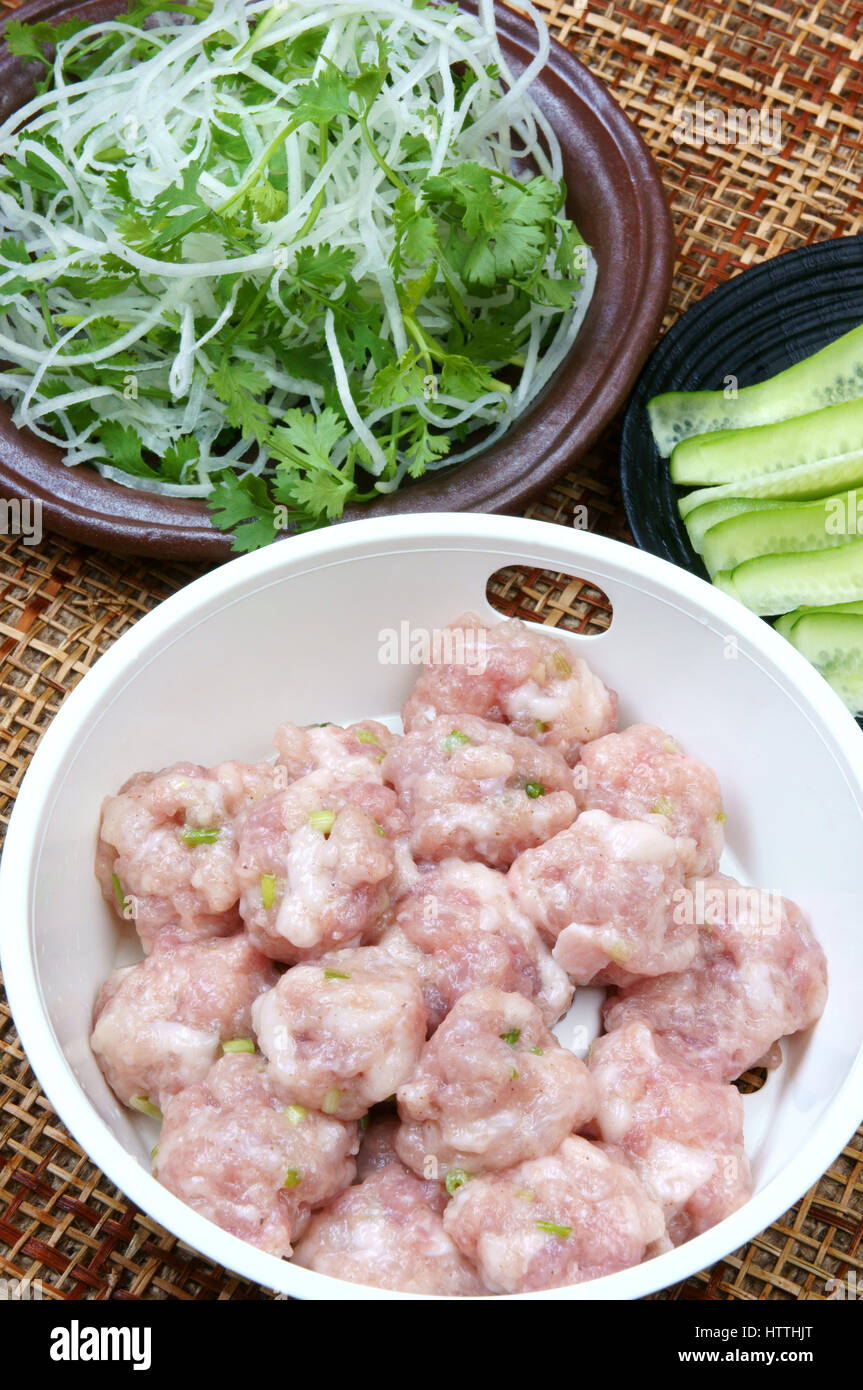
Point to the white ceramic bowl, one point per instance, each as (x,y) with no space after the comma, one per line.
(294,632)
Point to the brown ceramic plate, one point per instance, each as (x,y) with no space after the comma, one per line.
(617,202)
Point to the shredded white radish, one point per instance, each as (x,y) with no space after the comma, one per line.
(107,321)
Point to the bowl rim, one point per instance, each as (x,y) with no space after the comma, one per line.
(82,505)
(550,545)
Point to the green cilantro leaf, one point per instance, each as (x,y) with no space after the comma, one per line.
(326,97)
(238,385)
(243,506)
(399,381)
(179,457)
(424,447)
(324,265)
(269,203)
(124,448)
(306,440)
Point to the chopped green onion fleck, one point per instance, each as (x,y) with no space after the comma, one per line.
(145,1107)
(381,831)
(332,1101)
(539,727)
(366,736)
(381,757)
(292,1178)
(619,951)
(337,975)
(118,892)
(537,1051)
(323,821)
(553,1229)
(511,1037)
(562,664)
(363,1123)
(154,1153)
(535,789)
(455,740)
(200,834)
(525,1195)
(456,1178)
(295,1114)
(669,746)
(514,1074)
(269,883)
(721,817)
(239,1045)
(662,807)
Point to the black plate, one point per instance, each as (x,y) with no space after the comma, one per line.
(755,325)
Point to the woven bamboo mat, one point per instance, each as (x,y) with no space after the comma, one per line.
(61,1221)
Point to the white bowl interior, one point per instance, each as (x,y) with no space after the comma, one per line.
(299,635)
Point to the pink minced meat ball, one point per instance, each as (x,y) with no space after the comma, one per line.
(492,1087)
(158,1025)
(344,1032)
(385,1233)
(378,1151)
(682,1134)
(605,892)
(234,1152)
(641,774)
(315,864)
(355,751)
(569,1216)
(475,790)
(514,675)
(168,848)
(759,975)
(460,929)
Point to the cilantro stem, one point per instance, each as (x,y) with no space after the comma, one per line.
(379,159)
(260,164)
(431,351)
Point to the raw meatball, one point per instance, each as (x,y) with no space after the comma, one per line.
(682,1134)
(573,1215)
(234,1152)
(475,790)
(461,930)
(378,1151)
(384,1232)
(158,1024)
(493,1087)
(355,751)
(315,865)
(245,783)
(758,976)
(343,1033)
(641,774)
(606,892)
(517,676)
(168,848)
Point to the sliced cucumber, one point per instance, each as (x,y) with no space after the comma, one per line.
(784,624)
(848,684)
(737,455)
(777,583)
(828,639)
(831,375)
(699,522)
(782,530)
(805,483)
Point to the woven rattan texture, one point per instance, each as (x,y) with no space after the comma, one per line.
(62,1224)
